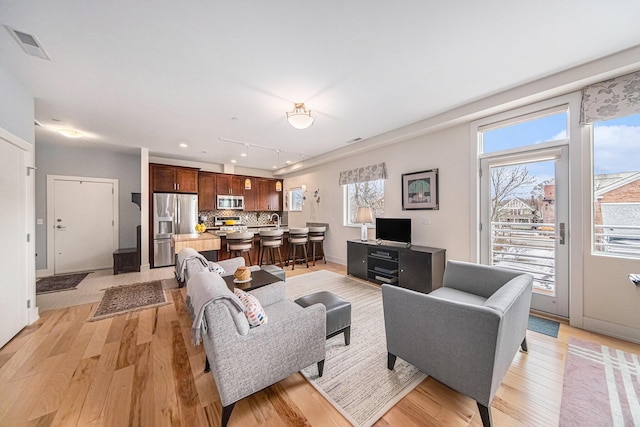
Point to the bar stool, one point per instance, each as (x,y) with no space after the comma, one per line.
(316,237)
(298,237)
(270,241)
(239,244)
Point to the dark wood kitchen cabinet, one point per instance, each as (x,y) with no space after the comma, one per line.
(206,191)
(173,179)
(417,268)
(268,198)
(251,195)
(229,184)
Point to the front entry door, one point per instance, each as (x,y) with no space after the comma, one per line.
(525,221)
(83,226)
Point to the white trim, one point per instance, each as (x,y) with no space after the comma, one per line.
(144,210)
(16,141)
(30,253)
(50,211)
(612,329)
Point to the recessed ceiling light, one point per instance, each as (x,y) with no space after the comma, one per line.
(288,162)
(274,166)
(70,133)
(243,154)
(183,145)
(233,161)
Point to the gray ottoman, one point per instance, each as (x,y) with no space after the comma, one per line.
(338,312)
(275,270)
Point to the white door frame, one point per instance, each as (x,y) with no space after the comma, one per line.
(51,220)
(558,304)
(577,157)
(29,249)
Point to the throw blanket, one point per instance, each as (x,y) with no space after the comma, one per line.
(183,256)
(204,288)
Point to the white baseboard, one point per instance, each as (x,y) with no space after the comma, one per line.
(611,329)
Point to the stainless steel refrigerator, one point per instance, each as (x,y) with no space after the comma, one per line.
(172,214)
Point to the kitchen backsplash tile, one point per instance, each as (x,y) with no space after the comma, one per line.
(248,218)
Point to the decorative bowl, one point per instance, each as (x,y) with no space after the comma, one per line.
(242,274)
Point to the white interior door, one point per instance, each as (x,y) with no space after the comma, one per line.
(13,251)
(524,216)
(83,226)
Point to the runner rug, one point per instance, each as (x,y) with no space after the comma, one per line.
(356,380)
(129,298)
(601,386)
(64,282)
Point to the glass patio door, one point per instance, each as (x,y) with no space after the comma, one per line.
(524,221)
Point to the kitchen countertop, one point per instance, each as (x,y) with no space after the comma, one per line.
(255,230)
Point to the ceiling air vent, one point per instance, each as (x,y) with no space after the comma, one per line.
(29,43)
(351,141)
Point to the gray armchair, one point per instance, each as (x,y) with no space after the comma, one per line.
(245,360)
(464,334)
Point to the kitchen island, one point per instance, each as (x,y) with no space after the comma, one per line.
(201,242)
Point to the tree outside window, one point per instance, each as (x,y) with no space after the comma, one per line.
(368,193)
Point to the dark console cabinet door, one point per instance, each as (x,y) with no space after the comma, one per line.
(415,271)
(357,260)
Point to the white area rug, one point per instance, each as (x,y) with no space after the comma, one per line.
(356,379)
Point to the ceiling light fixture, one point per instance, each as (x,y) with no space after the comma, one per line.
(300,118)
(183,145)
(70,133)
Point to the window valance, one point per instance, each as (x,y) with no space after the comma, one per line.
(611,99)
(367,173)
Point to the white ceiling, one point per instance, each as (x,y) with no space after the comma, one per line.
(154,74)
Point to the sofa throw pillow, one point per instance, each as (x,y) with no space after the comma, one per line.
(252,308)
(216,268)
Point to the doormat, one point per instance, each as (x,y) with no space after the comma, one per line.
(601,386)
(64,282)
(129,298)
(543,326)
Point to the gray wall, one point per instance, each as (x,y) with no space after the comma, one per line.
(16,107)
(92,163)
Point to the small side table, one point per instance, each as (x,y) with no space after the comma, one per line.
(125,260)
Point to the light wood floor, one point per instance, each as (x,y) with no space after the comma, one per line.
(141,369)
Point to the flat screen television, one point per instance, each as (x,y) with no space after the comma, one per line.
(393,229)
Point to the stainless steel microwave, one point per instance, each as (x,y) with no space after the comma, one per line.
(230,202)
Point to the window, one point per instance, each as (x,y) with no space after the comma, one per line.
(616,187)
(525,131)
(296,198)
(368,193)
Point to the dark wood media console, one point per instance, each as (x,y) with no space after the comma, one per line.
(418,268)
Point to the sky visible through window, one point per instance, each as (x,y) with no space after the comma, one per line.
(616,142)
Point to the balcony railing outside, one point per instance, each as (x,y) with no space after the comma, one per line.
(528,247)
(622,240)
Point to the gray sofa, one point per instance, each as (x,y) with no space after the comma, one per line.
(464,334)
(244,360)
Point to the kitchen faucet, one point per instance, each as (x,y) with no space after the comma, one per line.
(277,216)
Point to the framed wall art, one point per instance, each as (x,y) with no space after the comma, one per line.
(420,190)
